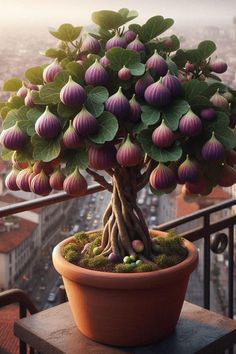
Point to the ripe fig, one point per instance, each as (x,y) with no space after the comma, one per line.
(157,64)
(162,177)
(118,105)
(13,138)
(129,154)
(51,71)
(162,136)
(85,123)
(48,125)
(213,150)
(90,45)
(136,45)
(72,94)
(190,124)
(96,75)
(116,41)
(142,84)
(157,94)
(102,157)
(75,184)
(40,184)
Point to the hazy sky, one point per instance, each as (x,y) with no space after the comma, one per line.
(54,12)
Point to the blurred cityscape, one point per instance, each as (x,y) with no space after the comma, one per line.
(27,239)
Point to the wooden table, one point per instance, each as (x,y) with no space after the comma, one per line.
(53,331)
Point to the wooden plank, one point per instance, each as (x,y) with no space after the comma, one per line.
(53,331)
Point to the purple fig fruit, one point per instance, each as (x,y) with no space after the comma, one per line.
(136,45)
(46,167)
(104,61)
(56,180)
(188,171)
(72,94)
(124,74)
(157,64)
(13,138)
(71,139)
(75,184)
(157,94)
(218,66)
(102,157)
(231,157)
(90,45)
(135,110)
(208,114)
(162,177)
(40,184)
(10,181)
(142,83)
(190,124)
(129,154)
(29,99)
(51,71)
(213,150)
(227,177)
(48,125)
(173,84)
(129,36)
(162,136)
(116,41)
(96,75)
(85,123)
(114,258)
(118,105)
(23,180)
(219,101)
(138,246)
(22,92)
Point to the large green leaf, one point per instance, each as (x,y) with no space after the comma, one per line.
(108,19)
(108,127)
(50,93)
(55,53)
(162,155)
(154,27)
(12,85)
(174,112)
(6,154)
(77,71)
(32,115)
(119,57)
(96,109)
(15,115)
(137,69)
(173,68)
(193,55)
(150,115)
(98,94)
(206,48)
(35,75)
(15,102)
(67,32)
(194,88)
(75,158)
(66,111)
(127,14)
(45,149)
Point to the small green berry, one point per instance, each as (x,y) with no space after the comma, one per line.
(127,259)
(132,265)
(133,258)
(138,262)
(96,251)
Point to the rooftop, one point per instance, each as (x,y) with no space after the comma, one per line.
(11,239)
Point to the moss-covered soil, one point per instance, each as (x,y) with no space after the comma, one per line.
(167,251)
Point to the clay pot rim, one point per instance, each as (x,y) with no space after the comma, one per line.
(111,280)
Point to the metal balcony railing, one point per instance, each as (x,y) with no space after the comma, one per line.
(216,235)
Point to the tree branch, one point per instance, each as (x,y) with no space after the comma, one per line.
(100,179)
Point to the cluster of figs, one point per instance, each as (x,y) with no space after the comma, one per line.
(157,87)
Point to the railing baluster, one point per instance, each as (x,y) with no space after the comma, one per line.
(231,273)
(207,262)
(22,313)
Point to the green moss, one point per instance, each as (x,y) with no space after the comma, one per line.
(123,268)
(145,267)
(72,256)
(94,262)
(165,261)
(171,245)
(69,247)
(81,238)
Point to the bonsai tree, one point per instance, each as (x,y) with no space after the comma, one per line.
(127,103)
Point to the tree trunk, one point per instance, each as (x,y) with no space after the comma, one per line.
(123,220)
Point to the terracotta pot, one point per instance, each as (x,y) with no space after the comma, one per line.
(126,309)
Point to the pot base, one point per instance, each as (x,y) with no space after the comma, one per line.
(126,309)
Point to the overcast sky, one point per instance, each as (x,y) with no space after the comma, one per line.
(54,12)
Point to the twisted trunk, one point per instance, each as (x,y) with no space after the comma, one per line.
(123,220)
